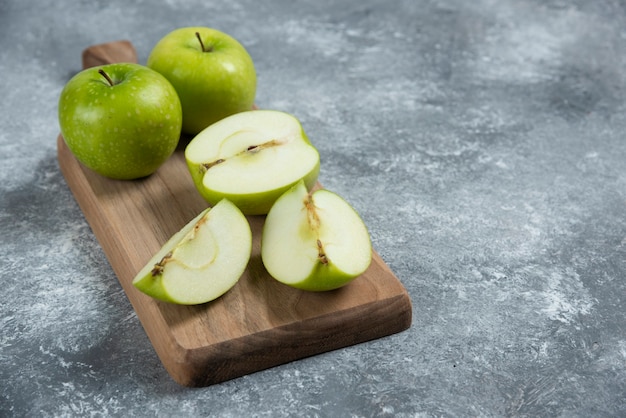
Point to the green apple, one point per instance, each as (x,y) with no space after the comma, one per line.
(314,241)
(212,72)
(251,158)
(121,120)
(202,261)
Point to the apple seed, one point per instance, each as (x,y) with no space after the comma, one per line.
(259,147)
(158,267)
(320,253)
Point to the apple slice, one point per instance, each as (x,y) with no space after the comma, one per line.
(251,158)
(314,240)
(202,261)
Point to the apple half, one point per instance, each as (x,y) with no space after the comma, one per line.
(315,240)
(202,261)
(251,158)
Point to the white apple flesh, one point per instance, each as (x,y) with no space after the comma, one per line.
(202,261)
(251,158)
(314,240)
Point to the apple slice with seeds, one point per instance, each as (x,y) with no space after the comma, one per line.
(202,261)
(314,240)
(251,158)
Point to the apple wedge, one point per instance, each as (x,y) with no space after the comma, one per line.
(314,240)
(202,261)
(252,158)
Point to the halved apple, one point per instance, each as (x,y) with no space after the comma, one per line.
(315,240)
(202,261)
(251,158)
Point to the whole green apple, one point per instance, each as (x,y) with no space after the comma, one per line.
(212,72)
(123,121)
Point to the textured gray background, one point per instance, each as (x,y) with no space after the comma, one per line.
(483,144)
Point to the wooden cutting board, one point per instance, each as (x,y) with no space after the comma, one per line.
(259,323)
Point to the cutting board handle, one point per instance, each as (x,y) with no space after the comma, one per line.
(109,53)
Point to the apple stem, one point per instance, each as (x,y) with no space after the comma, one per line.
(202,43)
(106,76)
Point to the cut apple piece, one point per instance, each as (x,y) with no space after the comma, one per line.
(202,261)
(252,158)
(314,240)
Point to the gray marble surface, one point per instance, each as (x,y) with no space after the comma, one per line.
(483,142)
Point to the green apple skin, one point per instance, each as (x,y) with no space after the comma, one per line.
(122,131)
(314,241)
(213,82)
(247,168)
(202,261)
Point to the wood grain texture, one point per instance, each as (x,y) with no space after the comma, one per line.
(259,323)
